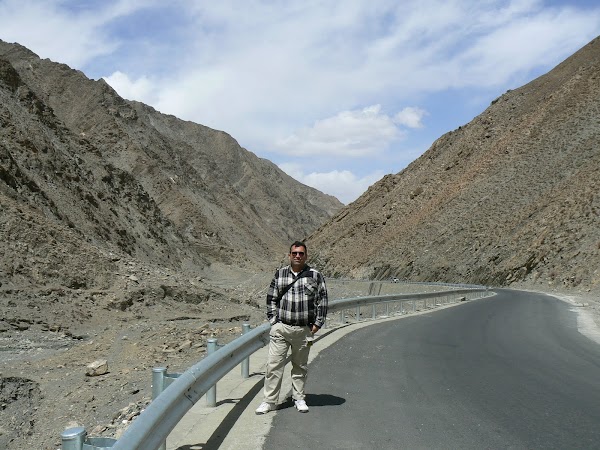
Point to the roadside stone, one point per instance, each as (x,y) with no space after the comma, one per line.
(99,367)
(183,346)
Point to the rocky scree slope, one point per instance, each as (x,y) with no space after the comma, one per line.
(513,197)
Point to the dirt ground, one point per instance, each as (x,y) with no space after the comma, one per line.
(45,386)
(49,337)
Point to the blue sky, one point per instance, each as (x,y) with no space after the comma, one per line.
(337,93)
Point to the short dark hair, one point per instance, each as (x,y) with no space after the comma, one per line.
(298,244)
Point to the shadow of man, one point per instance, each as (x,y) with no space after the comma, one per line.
(316,400)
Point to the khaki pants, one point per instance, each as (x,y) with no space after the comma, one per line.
(282,337)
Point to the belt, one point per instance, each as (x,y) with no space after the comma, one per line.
(295,324)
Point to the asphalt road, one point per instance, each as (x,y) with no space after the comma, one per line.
(510,371)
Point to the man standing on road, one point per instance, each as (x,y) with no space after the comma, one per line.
(296,309)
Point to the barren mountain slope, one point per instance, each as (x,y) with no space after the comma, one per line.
(158,188)
(126,235)
(513,196)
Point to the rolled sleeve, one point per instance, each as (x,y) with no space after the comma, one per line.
(272,306)
(321,302)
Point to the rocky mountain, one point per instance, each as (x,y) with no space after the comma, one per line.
(513,197)
(131,237)
(87,177)
(127,236)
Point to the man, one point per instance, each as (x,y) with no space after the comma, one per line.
(296,309)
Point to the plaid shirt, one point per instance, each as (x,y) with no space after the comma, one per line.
(303,304)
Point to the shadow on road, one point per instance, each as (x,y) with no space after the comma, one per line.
(315,400)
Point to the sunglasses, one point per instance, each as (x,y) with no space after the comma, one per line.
(297,253)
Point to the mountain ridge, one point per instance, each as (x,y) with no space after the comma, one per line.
(135,181)
(127,235)
(509,198)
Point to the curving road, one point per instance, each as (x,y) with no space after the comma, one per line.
(510,371)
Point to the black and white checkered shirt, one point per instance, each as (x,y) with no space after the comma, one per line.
(304,303)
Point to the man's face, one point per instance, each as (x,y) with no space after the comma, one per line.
(297,258)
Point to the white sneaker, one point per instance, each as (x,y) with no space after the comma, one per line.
(301,406)
(264,408)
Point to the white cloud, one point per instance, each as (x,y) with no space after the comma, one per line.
(342,184)
(515,47)
(66,32)
(298,77)
(268,74)
(141,89)
(352,134)
(410,117)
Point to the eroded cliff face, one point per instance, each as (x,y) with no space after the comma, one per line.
(87,177)
(511,197)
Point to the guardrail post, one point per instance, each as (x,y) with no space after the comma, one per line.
(73,438)
(158,381)
(211,394)
(77,439)
(246,362)
(158,385)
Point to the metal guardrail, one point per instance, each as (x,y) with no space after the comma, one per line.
(150,430)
